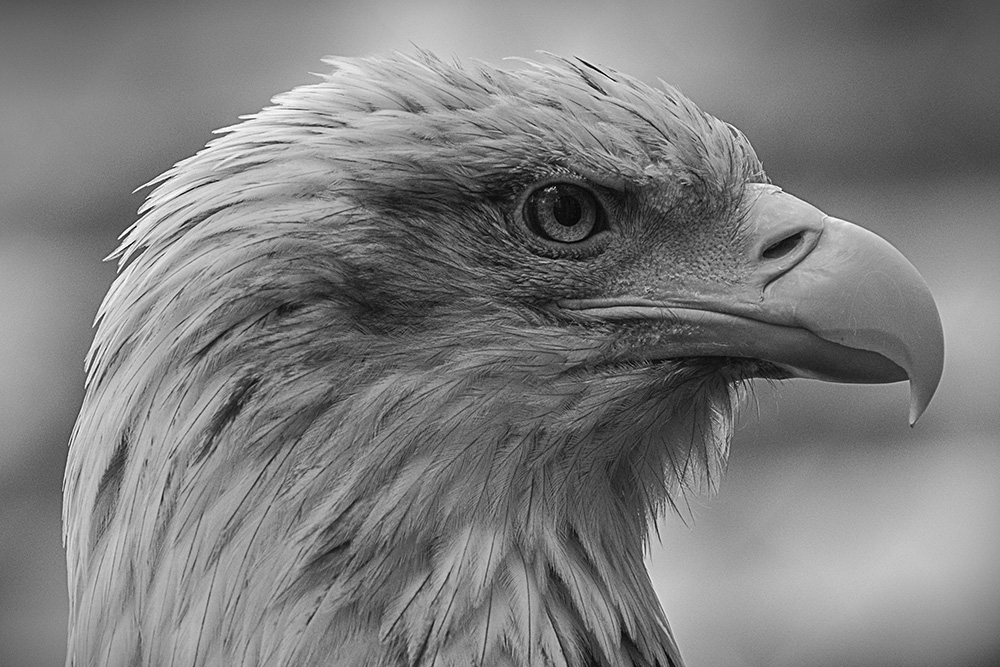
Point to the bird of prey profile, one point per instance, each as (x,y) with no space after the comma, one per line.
(398,371)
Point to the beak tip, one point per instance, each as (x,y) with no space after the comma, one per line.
(926,376)
(922,391)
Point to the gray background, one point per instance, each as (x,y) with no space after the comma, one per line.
(839,537)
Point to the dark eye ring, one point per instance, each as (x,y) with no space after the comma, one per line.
(563,212)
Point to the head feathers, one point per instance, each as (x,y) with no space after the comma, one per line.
(331,418)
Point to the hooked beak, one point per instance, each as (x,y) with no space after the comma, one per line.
(824,299)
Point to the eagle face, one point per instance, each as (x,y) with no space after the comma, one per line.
(399,370)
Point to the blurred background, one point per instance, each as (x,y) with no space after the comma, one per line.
(839,537)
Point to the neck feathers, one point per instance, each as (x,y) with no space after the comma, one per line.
(427,513)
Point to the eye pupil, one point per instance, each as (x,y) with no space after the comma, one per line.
(563,212)
(567,211)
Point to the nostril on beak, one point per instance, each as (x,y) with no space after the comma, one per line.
(783,247)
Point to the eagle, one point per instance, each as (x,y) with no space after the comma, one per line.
(400,370)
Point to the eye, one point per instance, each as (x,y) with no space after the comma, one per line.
(563,212)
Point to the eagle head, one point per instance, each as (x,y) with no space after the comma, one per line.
(399,370)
